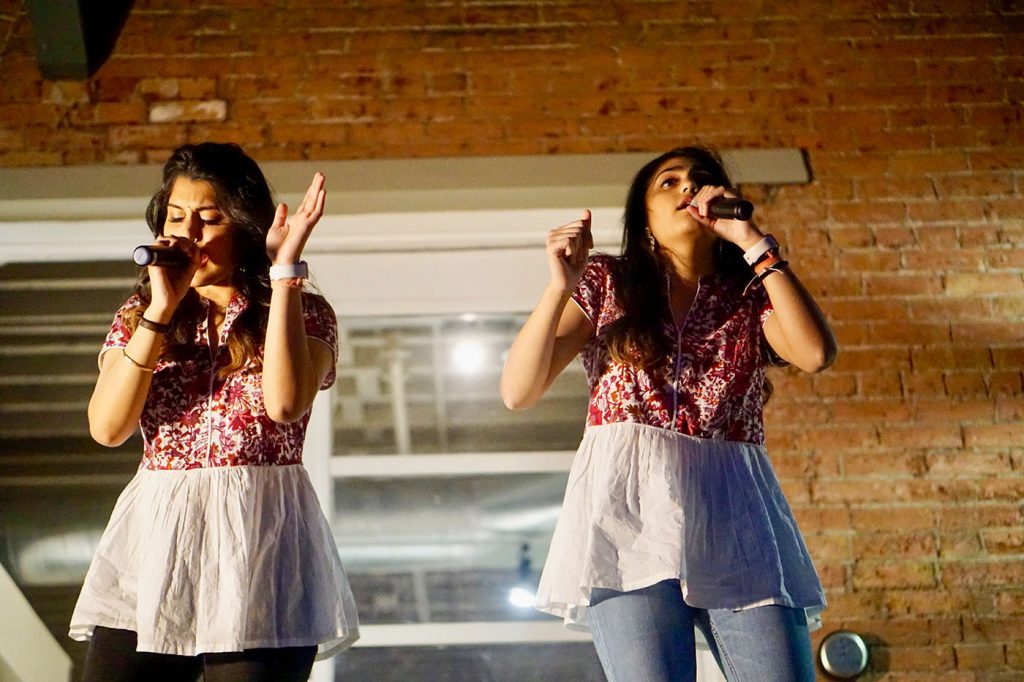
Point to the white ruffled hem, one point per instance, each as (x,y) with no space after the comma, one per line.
(219,559)
(644,504)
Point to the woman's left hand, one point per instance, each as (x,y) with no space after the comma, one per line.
(287,236)
(743,233)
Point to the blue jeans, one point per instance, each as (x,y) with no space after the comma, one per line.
(646,635)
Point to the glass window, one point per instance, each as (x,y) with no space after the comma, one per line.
(446,549)
(463,541)
(424,385)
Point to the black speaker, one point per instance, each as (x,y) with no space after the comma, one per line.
(74,37)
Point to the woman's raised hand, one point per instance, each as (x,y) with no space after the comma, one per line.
(287,236)
(739,232)
(567,249)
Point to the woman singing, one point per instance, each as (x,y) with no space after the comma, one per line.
(217,559)
(673,518)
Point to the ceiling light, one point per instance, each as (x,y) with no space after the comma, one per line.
(469,356)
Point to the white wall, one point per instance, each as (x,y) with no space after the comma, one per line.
(28,652)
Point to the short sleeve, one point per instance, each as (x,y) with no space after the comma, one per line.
(322,325)
(762,304)
(593,288)
(763,309)
(119,333)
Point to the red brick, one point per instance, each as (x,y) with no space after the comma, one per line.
(966,464)
(1010,602)
(994,435)
(871,574)
(879,284)
(931,660)
(982,283)
(870,212)
(979,656)
(949,603)
(957,309)
(982,573)
(898,545)
(146,136)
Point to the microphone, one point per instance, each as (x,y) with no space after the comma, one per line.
(160,255)
(730,208)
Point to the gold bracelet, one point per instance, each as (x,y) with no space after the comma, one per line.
(124,352)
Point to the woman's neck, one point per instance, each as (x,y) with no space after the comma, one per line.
(219,296)
(689,262)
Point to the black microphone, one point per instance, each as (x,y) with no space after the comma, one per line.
(160,256)
(730,208)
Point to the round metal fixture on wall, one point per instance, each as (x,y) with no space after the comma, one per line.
(844,654)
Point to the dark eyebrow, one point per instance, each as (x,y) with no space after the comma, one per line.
(201,208)
(670,169)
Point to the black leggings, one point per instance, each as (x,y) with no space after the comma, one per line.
(112,658)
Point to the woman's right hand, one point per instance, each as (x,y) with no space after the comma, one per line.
(168,285)
(567,249)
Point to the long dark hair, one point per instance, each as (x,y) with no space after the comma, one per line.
(635,338)
(245,197)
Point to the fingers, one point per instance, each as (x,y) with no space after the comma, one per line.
(588,241)
(572,241)
(309,197)
(280,217)
(314,197)
(703,199)
(321,199)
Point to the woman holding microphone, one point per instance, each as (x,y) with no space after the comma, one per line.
(217,559)
(673,518)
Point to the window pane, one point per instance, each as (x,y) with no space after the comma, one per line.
(430,385)
(445,549)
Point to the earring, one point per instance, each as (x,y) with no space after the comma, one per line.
(652,243)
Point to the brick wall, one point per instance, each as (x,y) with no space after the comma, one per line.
(904,461)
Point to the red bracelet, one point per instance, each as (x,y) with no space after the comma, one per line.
(291,282)
(767,270)
(773,258)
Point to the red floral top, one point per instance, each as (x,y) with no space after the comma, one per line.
(710,387)
(194,419)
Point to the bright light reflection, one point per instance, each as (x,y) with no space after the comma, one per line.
(522,597)
(469,355)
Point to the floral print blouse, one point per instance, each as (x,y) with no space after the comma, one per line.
(194,419)
(710,387)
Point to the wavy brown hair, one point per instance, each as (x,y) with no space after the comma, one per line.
(245,197)
(635,338)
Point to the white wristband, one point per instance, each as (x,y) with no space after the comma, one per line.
(289,271)
(755,252)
